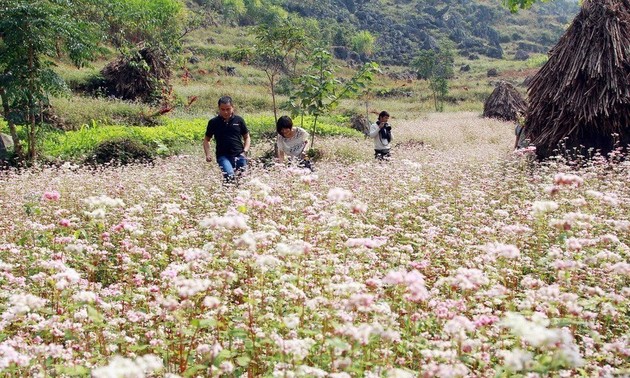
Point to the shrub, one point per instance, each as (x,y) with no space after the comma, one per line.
(122,151)
(315,154)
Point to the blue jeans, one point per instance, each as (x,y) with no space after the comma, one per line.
(229,164)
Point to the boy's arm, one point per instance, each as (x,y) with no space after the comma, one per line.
(206,148)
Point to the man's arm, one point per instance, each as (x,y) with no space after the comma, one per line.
(247,142)
(206,148)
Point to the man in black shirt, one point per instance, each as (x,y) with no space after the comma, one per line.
(231,137)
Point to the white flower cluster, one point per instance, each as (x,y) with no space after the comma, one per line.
(468,279)
(188,287)
(517,359)
(297,348)
(458,327)
(9,355)
(542,207)
(23,303)
(339,194)
(366,242)
(607,198)
(363,331)
(534,332)
(496,250)
(120,367)
(266,262)
(196,254)
(97,205)
(103,201)
(293,248)
(66,277)
(85,296)
(414,280)
(173,209)
(229,221)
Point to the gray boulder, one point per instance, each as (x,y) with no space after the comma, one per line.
(6,142)
(521,55)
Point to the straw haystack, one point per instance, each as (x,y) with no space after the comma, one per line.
(504,103)
(139,76)
(581,97)
(360,123)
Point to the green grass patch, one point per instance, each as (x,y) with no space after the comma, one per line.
(165,139)
(537,60)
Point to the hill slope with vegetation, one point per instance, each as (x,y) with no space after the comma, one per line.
(186,57)
(401,28)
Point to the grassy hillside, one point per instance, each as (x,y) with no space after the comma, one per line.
(207,79)
(211,65)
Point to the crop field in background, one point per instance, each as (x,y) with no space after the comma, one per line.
(458,258)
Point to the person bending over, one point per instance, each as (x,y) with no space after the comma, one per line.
(292,142)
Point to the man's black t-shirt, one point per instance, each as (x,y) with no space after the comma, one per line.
(228,135)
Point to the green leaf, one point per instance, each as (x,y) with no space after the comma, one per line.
(222,356)
(94,315)
(194,370)
(72,371)
(238,333)
(338,343)
(243,361)
(139,348)
(204,323)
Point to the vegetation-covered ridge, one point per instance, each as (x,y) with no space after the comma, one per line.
(401,28)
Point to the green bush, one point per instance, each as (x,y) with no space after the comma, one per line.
(80,110)
(121,151)
(76,145)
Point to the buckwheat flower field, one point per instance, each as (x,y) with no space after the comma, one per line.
(456,259)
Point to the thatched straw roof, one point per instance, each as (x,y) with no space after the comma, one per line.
(504,103)
(138,76)
(581,96)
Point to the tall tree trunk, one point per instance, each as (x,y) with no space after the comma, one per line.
(273,100)
(314,131)
(32,153)
(17,146)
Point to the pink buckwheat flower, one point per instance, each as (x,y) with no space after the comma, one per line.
(394,277)
(568,179)
(52,195)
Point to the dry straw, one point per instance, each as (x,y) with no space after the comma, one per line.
(581,96)
(504,103)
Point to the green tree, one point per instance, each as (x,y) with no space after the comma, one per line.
(233,9)
(277,51)
(35,34)
(319,91)
(159,24)
(32,35)
(515,5)
(437,68)
(363,43)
